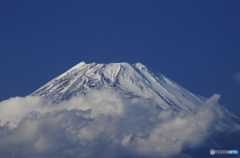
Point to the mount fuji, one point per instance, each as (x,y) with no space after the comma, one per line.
(116,110)
(131,81)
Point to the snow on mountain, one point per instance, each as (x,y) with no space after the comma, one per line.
(134,80)
(130,80)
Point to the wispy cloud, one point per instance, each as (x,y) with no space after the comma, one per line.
(101,124)
(237,77)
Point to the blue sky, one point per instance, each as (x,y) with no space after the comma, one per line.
(194,43)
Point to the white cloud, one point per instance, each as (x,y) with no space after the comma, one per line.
(101,124)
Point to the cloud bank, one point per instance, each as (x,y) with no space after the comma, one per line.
(101,124)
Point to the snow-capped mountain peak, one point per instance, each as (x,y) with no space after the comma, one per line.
(131,80)
(139,81)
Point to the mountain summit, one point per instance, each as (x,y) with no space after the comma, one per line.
(131,80)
